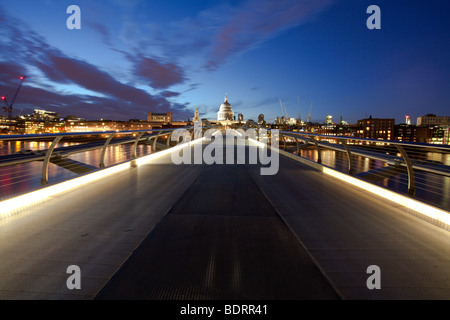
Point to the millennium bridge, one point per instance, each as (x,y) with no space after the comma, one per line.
(215,213)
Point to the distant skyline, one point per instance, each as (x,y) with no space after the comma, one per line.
(139,56)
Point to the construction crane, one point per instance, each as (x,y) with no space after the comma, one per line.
(281,105)
(9,106)
(284,110)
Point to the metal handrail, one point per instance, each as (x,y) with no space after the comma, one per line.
(47,155)
(403,143)
(405,161)
(7,137)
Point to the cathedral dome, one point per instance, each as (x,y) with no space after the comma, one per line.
(225,106)
(225,111)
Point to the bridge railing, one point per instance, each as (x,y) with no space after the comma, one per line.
(21,155)
(419,170)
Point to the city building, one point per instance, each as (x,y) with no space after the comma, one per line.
(334,129)
(408,120)
(40,114)
(261,119)
(433,129)
(438,135)
(93,126)
(405,132)
(196,116)
(375,128)
(433,120)
(159,118)
(225,112)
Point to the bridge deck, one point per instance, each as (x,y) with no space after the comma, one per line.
(161,231)
(221,240)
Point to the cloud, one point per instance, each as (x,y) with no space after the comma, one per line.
(50,71)
(256,21)
(160,75)
(192,86)
(169,94)
(220,33)
(162,56)
(101,29)
(10,73)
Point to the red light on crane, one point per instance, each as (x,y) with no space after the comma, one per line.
(3,98)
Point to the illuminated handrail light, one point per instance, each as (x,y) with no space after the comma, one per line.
(407,202)
(11,206)
(427,210)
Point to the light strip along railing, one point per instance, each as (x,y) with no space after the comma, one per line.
(430,211)
(15,204)
(53,154)
(312,139)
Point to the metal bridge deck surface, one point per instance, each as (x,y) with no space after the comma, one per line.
(200,232)
(221,240)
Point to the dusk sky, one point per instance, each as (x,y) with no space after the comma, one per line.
(135,56)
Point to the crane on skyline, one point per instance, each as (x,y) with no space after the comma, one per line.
(283,110)
(9,106)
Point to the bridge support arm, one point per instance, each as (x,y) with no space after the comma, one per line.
(409,167)
(319,157)
(169,136)
(156,139)
(133,152)
(349,156)
(102,156)
(282,137)
(44,175)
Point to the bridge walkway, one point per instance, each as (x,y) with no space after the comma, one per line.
(164,231)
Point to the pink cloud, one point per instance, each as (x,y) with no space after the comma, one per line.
(160,75)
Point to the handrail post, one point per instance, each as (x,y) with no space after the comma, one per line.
(319,157)
(349,156)
(44,175)
(409,167)
(168,138)
(281,136)
(156,139)
(298,145)
(102,156)
(133,151)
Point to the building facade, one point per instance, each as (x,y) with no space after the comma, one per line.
(225,112)
(376,128)
(160,118)
(433,120)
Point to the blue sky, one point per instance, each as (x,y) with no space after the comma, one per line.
(131,57)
